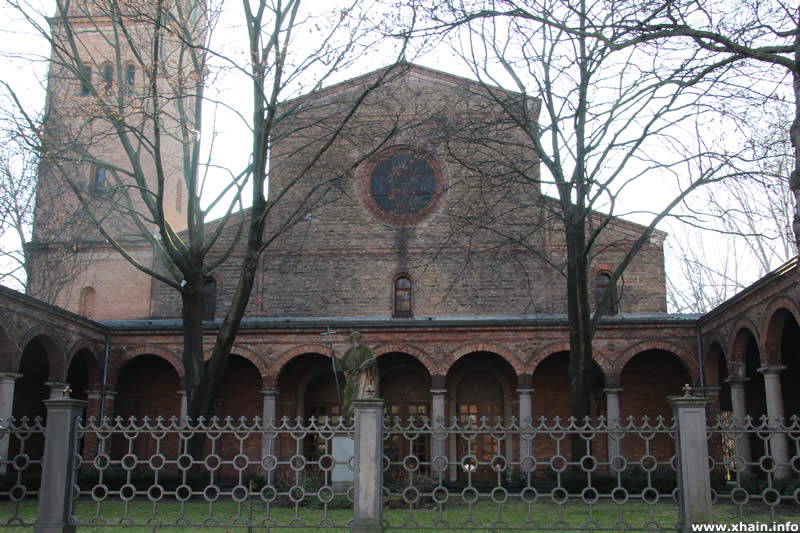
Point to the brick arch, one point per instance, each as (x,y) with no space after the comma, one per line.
(408,349)
(250,355)
(775,318)
(472,347)
(79,345)
(53,346)
(688,362)
(714,339)
(291,353)
(9,351)
(599,358)
(115,370)
(737,345)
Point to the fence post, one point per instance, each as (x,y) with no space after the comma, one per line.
(368,479)
(694,479)
(58,466)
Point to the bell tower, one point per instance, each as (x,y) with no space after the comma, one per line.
(118,125)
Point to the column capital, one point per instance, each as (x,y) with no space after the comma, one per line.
(181,392)
(269,392)
(737,380)
(94,394)
(612,390)
(438,391)
(527,390)
(771,369)
(9,377)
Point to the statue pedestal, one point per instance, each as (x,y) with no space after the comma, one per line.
(343,451)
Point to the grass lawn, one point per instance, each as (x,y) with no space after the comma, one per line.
(570,517)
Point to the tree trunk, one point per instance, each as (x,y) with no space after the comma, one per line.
(580,323)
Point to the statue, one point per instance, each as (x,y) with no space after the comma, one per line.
(361,373)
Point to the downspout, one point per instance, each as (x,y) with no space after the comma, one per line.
(700,359)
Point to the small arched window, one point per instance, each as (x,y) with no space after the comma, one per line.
(402,296)
(209,298)
(605,294)
(86,80)
(130,77)
(108,77)
(86,304)
(98,180)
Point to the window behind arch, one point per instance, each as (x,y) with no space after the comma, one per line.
(86,304)
(606,305)
(209,298)
(402,296)
(98,180)
(86,80)
(108,77)
(130,77)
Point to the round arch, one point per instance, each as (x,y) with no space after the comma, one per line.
(285,357)
(9,351)
(601,362)
(779,314)
(53,348)
(121,361)
(409,349)
(744,329)
(477,347)
(687,361)
(249,355)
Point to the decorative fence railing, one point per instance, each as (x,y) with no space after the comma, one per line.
(378,474)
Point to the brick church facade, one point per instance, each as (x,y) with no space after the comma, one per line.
(410,244)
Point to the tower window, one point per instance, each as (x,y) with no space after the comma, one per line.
(86,304)
(130,77)
(209,298)
(86,81)
(402,296)
(108,77)
(98,180)
(606,305)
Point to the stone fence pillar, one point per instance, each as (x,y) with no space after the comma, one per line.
(694,479)
(58,466)
(368,479)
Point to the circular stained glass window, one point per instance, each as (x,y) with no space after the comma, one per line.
(402,184)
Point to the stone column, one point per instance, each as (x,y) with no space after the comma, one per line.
(58,466)
(613,420)
(56,389)
(525,423)
(7,380)
(91,446)
(269,415)
(778,441)
(183,415)
(694,479)
(368,476)
(741,439)
(438,421)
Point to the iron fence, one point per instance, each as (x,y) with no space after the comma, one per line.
(468,473)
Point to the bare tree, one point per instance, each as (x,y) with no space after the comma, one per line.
(764,36)
(747,223)
(127,85)
(17,192)
(616,110)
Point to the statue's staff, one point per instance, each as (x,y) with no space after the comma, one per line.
(330,334)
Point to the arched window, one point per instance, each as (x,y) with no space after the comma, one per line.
(209,298)
(86,81)
(606,305)
(130,77)
(402,296)
(86,304)
(108,77)
(98,180)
